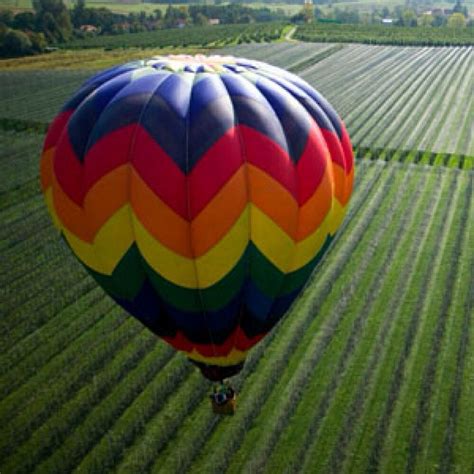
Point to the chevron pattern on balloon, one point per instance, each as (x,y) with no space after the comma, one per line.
(200,199)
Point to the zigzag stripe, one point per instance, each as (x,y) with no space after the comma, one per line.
(206,244)
(116,236)
(207,177)
(233,351)
(258,312)
(111,193)
(128,277)
(270,237)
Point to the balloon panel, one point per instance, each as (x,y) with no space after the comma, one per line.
(200,193)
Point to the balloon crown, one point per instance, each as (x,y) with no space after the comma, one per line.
(201,63)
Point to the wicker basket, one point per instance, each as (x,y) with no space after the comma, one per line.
(227,408)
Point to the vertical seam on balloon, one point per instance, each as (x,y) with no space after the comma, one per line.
(188,209)
(86,148)
(329,162)
(129,187)
(295,175)
(249,210)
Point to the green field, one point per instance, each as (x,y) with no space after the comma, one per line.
(371,371)
(383,34)
(389,97)
(289,8)
(210,36)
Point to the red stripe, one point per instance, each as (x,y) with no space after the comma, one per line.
(160,172)
(213,170)
(68,170)
(347,147)
(237,339)
(335,147)
(108,153)
(55,129)
(267,155)
(311,165)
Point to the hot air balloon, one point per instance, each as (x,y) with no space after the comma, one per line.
(200,193)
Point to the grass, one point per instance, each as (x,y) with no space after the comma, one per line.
(89,59)
(370,370)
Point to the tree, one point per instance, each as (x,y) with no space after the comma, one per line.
(308,13)
(439,19)
(457,20)
(53,19)
(38,41)
(201,20)
(6,17)
(16,43)
(425,20)
(24,21)
(409,17)
(458,8)
(79,14)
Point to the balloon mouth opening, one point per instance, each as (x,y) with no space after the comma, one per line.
(216,373)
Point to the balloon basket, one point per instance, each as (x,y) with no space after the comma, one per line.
(227,408)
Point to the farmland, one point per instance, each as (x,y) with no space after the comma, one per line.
(214,36)
(370,371)
(380,34)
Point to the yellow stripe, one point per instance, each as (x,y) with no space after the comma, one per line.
(117,235)
(337,216)
(234,357)
(211,267)
(109,245)
(309,247)
(271,239)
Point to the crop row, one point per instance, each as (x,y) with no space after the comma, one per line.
(219,35)
(291,393)
(275,359)
(375,354)
(422,371)
(381,34)
(374,424)
(50,425)
(430,158)
(400,100)
(394,97)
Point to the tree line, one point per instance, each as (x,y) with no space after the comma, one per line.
(51,22)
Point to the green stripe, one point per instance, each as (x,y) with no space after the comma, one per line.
(127,277)
(130,273)
(298,278)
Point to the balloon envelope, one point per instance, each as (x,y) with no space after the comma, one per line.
(200,193)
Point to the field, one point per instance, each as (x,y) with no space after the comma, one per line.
(383,34)
(371,371)
(289,8)
(210,36)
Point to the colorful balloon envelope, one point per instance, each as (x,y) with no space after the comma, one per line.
(200,193)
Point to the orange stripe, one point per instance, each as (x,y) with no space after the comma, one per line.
(105,197)
(111,192)
(160,220)
(218,217)
(343,183)
(46,168)
(349,184)
(274,200)
(315,209)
